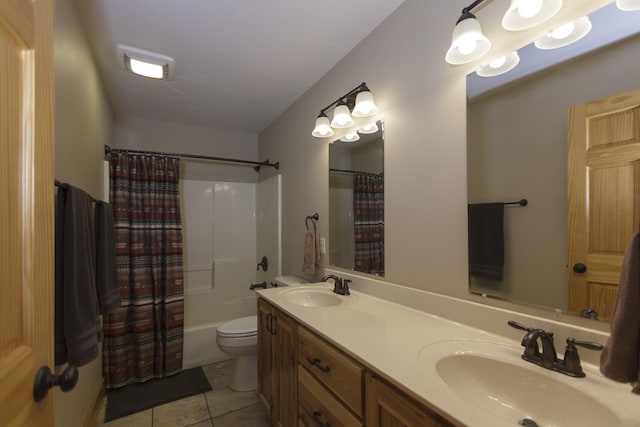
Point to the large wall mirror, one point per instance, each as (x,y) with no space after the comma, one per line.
(356,202)
(517,149)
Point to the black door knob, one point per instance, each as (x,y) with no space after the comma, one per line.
(579,268)
(46,380)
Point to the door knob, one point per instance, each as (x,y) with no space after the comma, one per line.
(46,380)
(579,268)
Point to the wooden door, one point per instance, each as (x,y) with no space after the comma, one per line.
(26,208)
(604,197)
(285,359)
(265,355)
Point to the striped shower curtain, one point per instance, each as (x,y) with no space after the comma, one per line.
(368,218)
(143,338)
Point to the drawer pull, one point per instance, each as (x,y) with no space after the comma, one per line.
(317,417)
(317,364)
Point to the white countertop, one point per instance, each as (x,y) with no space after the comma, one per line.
(389,338)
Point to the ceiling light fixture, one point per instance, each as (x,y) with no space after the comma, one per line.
(565,34)
(350,137)
(357,102)
(628,5)
(498,65)
(369,128)
(524,14)
(145,63)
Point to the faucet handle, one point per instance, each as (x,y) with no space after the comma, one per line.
(586,344)
(520,326)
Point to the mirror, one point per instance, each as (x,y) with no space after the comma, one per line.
(517,149)
(356,203)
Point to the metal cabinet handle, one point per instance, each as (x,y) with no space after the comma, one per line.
(579,268)
(268,322)
(318,364)
(317,417)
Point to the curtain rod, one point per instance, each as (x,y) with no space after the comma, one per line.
(355,172)
(257,167)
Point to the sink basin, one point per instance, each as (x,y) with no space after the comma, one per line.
(496,380)
(312,297)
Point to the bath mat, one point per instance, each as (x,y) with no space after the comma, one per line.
(137,397)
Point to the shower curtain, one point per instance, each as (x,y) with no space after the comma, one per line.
(368,218)
(143,338)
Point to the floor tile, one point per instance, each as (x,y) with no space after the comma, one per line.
(206,423)
(224,400)
(139,419)
(252,416)
(183,412)
(218,374)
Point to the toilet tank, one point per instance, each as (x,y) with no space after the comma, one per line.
(289,281)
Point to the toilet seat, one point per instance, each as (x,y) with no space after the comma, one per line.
(238,328)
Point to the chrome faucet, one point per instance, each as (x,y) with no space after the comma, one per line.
(340,286)
(548,358)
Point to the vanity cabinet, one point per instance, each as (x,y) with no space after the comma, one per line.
(389,407)
(306,381)
(329,384)
(277,373)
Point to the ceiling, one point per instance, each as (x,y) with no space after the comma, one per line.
(239,64)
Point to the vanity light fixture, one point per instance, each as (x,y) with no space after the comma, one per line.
(524,14)
(357,102)
(368,128)
(565,34)
(468,43)
(145,63)
(628,5)
(350,137)
(498,65)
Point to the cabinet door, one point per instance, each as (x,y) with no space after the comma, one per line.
(265,355)
(285,360)
(389,407)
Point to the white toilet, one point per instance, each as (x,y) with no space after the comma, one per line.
(239,338)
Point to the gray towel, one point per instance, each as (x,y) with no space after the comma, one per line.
(486,240)
(620,359)
(77,322)
(106,271)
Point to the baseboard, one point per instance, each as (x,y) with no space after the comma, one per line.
(92,413)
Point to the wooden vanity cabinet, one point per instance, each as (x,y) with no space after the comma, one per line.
(389,407)
(277,364)
(305,381)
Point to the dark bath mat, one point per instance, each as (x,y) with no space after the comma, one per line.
(137,397)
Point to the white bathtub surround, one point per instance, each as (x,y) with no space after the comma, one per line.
(393,339)
(219,221)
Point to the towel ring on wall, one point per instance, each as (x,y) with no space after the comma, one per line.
(313,219)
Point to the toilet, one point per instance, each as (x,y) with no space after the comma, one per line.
(239,338)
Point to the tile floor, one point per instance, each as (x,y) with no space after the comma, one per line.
(220,407)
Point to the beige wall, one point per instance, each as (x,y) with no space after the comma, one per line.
(422,100)
(518,149)
(144,134)
(83,124)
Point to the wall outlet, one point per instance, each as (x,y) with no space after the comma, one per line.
(323,248)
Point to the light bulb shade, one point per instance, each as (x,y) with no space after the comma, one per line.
(628,5)
(368,128)
(468,43)
(350,137)
(522,15)
(323,128)
(341,117)
(565,34)
(365,107)
(498,66)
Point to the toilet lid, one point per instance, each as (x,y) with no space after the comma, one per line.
(243,327)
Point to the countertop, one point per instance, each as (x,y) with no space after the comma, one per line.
(393,339)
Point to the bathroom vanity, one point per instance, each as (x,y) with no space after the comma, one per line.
(305,380)
(327,359)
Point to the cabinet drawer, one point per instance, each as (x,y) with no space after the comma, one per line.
(317,407)
(331,367)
